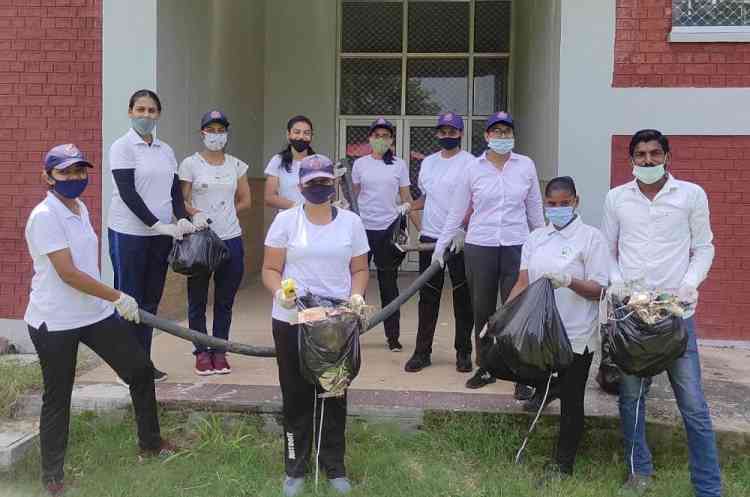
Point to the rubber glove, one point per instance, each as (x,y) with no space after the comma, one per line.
(201,220)
(457,245)
(286,303)
(559,280)
(127,307)
(404,208)
(168,230)
(687,294)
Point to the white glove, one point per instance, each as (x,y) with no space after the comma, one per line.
(687,294)
(201,220)
(341,204)
(127,307)
(559,280)
(404,208)
(186,227)
(168,230)
(437,257)
(339,170)
(286,303)
(457,245)
(357,303)
(619,290)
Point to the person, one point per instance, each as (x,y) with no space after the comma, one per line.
(658,229)
(502,188)
(215,188)
(69,305)
(575,258)
(378,180)
(145,200)
(438,176)
(282,171)
(324,251)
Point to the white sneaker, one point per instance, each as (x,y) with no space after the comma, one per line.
(120,381)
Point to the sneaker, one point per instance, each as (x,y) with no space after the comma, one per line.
(120,381)
(417,363)
(463,363)
(535,402)
(523,392)
(221,366)
(293,486)
(203,364)
(480,379)
(341,485)
(159,376)
(55,488)
(635,486)
(166,449)
(394,345)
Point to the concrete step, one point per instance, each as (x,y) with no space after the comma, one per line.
(101,398)
(17,437)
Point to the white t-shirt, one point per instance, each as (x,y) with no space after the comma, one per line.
(317,256)
(437,181)
(155,167)
(288,180)
(581,251)
(214,189)
(380,184)
(52,227)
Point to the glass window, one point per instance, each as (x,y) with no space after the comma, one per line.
(490,80)
(380,32)
(478,143)
(370,87)
(710,13)
(435,85)
(422,142)
(492,26)
(438,27)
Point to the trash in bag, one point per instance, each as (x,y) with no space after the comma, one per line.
(647,333)
(329,351)
(398,236)
(529,341)
(609,375)
(198,253)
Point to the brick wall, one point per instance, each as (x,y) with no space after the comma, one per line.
(644,57)
(718,164)
(50,93)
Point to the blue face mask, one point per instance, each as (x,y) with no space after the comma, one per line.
(502,146)
(318,194)
(560,216)
(143,125)
(72,188)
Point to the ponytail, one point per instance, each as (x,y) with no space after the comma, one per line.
(388,157)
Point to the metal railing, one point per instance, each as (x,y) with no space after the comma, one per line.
(711,13)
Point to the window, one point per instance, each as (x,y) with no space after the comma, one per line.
(710,20)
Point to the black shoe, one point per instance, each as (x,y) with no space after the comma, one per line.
(394,345)
(480,379)
(535,402)
(159,376)
(463,362)
(417,363)
(523,392)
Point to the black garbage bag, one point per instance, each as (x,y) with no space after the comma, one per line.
(398,235)
(609,375)
(329,351)
(643,349)
(198,253)
(529,340)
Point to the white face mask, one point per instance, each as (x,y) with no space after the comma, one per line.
(649,175)
(215,141)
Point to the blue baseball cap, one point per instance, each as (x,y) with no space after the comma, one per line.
(315,166)
(450,119)
(501,117)
(381,122)
(214,116)
(64,156)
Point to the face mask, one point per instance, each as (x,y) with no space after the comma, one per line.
(215,141)
(300,145)
(72,188)
(380,145)
(143,125)
(449,143)
(560,216)
(318,194)
(502,146)
(649,175)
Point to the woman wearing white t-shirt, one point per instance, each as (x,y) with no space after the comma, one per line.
(324,250)
(380,179)
(145,201)
(215,188)
(282,171)
(575,258)
(70,305)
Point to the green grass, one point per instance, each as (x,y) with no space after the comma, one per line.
(14,381)
(454,455)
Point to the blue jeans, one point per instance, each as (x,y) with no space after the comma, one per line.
(685,378)
(227,281)
(140,267)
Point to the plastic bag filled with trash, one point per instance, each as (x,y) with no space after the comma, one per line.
(329,351)
(529,340)
(198,253)
(609,375)
(646,333)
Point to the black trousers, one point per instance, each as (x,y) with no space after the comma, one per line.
(387,263)
(114,341)
(429,303)
(489,269)
(572,384)
(301,418)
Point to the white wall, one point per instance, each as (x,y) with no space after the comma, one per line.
(591,111)
(536,68)
(128,64)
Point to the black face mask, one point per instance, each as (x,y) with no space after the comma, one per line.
(449,143)
(300,145)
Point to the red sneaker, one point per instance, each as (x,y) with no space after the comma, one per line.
(221,366)
(55,488)
(203,364)
(166,449)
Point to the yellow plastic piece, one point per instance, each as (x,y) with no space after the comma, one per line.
(288,287)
